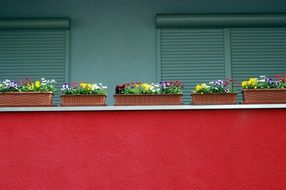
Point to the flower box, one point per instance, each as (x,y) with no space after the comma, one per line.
(18,99)
(27,92)
(142,93)
(83,100)
(215,98)
(147,99)
(83,94)
(264,90)
(264,96)
(215,92)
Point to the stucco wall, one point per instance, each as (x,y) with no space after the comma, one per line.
(114,40)
(224,149)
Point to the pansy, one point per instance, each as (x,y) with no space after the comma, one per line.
(27,85)
(83,88)
(217,86)
(166,87)
(264,82)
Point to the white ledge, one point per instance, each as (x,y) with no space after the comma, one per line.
(139,108)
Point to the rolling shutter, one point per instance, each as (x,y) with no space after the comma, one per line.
(191,56)
(257,51)
(35,53)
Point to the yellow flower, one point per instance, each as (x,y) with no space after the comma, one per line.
(244,84)
(83,85)
(204,85)
(89,86)
(250,83)
(37,84)
(146,86)
(198,87)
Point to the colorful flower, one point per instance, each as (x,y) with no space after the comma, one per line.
(166,87)
(83,88)
(264,82)
(217,86)
(37,84)
(27,85)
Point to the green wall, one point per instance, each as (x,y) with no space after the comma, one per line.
(114,40)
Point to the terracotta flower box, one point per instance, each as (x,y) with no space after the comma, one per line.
(264,96)
(147,99)
(219,98)
(83,100)
(18,99)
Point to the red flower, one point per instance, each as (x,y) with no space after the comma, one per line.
(119,88)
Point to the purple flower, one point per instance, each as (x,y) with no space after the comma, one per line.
(10,84)
(165,84)
(217,83)
(65,87)
(73,85)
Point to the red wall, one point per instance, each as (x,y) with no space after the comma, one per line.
(187,149)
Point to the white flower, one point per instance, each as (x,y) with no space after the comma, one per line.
(6,82)
(65,87)
(157,85)
(101,86)
(95,87)
(44,81)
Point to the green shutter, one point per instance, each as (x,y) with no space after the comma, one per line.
(192,56)
(257,51)
(34,54)
(193,49)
